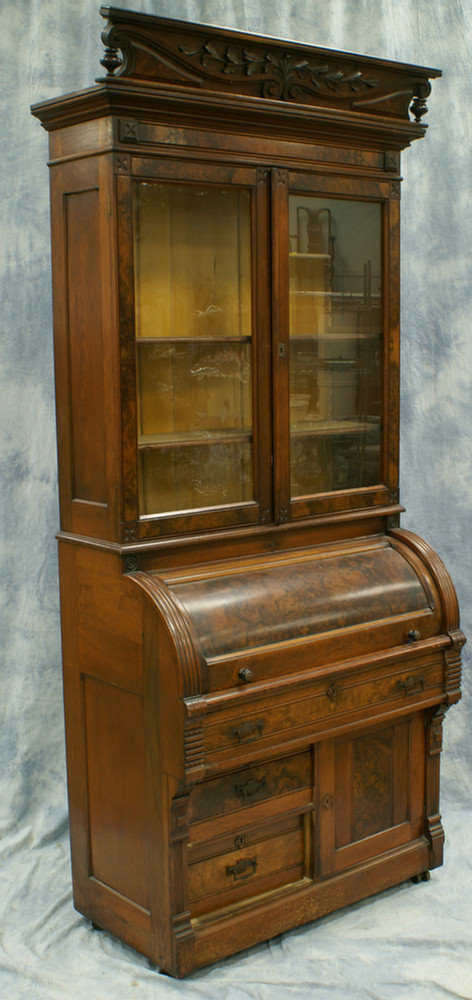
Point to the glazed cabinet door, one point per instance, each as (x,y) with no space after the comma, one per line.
(335,275)
(372,793)
(194,271)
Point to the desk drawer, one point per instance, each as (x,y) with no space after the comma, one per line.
(279,715)
(250,793)
(248,862)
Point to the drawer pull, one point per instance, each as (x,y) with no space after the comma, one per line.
(414,635)
(411,685)
(242,869)
(333,693)
(245,675)
(252,789)
(248,731)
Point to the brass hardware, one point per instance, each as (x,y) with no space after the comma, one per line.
(414,635)
(282,351)
(245,674)
(240,869)
(333,693)
(411,685)
(252,788)
(327,802)
(248,731)
(240,840)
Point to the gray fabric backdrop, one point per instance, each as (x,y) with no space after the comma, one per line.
(413,941)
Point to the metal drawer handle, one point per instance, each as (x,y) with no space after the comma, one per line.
(248,731)
(412,684)
(242,869)
(252,789)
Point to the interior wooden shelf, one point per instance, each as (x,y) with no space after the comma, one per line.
(184,439)
(345,296)
(335,428)
(193,340)
(328,335)
(311,256)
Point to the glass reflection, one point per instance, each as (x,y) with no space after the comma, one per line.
(193,338)
(335,344)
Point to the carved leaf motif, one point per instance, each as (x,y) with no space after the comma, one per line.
(285,76)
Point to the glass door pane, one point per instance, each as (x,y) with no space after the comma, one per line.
(335,344)
(193,339)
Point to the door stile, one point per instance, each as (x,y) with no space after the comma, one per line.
(126,307)
(262,382)
(280,342)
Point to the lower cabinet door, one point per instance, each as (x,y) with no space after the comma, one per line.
(372,792)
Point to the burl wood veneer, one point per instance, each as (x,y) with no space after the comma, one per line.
(257,658)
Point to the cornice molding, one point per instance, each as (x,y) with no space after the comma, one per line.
(161,68)
(142,47)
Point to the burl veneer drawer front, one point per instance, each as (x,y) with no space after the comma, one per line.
(249,862)
(317,704)
(250,794)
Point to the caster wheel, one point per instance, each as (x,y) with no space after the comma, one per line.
(416,879)
(426,876)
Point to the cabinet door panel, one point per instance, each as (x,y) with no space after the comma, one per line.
(337,402)
(371,793)
(200,448)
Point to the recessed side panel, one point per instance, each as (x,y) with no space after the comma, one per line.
(118,831)
(85,347)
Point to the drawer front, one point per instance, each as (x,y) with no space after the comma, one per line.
(336,698)
(267,858)
(274,786)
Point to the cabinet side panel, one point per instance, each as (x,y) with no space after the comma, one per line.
(114,727)
(85,347)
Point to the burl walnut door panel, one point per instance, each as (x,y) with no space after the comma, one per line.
(371,793)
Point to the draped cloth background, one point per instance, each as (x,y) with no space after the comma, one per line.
(412,941)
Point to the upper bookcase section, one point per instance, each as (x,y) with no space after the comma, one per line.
(206,75)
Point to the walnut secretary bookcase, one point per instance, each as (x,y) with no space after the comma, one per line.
(257,658)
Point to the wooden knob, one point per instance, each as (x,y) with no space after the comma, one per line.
(245,674)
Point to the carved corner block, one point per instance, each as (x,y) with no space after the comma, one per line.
(178,815)
(129,131)
(121,164)
(435,835)
(453,660)
(435,738)
(194,750)
(391,162)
